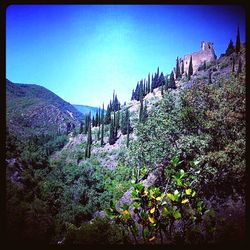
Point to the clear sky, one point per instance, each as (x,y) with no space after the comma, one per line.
(83,52)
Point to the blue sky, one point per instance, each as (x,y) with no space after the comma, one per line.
(83,52)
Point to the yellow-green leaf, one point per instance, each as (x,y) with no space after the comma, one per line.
(193,194)
(177,215)
(151,220)
(171,196)
(158,198)
(184,201)
(164,211)
(188,191)
(152,210)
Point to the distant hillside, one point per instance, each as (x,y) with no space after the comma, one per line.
(33,109)
(86,109)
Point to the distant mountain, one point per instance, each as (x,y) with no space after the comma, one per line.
(84,109)
(33,109)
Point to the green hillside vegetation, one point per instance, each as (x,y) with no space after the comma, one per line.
(166,168)
(29,109)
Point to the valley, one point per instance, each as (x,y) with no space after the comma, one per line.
(166,167)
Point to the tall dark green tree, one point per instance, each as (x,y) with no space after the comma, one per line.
(233,70)
(190,68)
(125,119)
(117,122)
(87,122)
(81,128)
(166,83)
(128,126)
(182,67)
(209,77)
(177,70)
(102,121)
(108,115)
(141,91)
(144,112)
(172,84)
(89,143)
(161,82)
(149,83)
(237,46)
(141,111)
(239,70)
(230,48)
(112,138)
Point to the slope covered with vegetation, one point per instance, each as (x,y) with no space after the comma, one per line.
(34,110)
(168,167)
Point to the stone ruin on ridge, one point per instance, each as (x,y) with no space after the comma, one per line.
(206,54)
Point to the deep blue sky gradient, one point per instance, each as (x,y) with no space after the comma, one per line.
(83,52)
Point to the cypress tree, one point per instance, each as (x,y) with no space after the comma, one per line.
(145,112)
(137,89)
(172,81)
(87,122)
(233,66)
(123,123)
(166,83)
(86,151)
(237,46)
(158,73)
(133,95)
(178,73)
(81,127)
(230,48)
(89,142)
(190,68)
(111,133)
(141,93)
(209,77)
(149,83)
(89,135)
(182,67)
(102,120)
(141,111)
(127,142)
(117,121)
(108,115)
(239,70)
(152,84)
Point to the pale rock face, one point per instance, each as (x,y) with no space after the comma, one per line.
(206,53)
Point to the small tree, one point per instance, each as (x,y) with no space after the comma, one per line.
(233,70)
(177,72)
(141,111)
(182,67)
(102,121)
(112,137)
(128,127)
(190,68)
(172,81)
(239,70)
(81,127)
(230,48)
(237,46)
(209,77)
